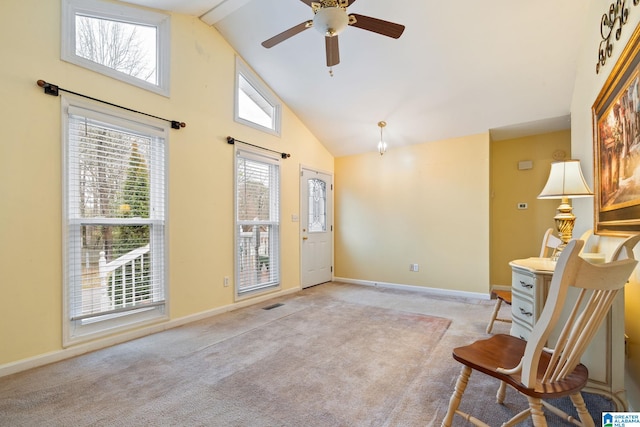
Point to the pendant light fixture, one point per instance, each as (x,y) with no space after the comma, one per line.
(382,146)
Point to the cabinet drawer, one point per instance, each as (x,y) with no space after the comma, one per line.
(523,283)
(522,309)
(519,330)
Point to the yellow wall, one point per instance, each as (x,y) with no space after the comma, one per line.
(517,233)
(200,172)
(586,89)
(426,204)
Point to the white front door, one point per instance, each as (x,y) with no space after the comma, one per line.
(316,227)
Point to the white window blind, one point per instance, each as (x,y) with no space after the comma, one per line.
(115,213)
(257,221)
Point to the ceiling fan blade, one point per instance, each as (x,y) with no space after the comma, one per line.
(333,52)
(379,26)
(286,34)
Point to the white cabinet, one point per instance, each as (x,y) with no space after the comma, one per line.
(604,357)
(528,291)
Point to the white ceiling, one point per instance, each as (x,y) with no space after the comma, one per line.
(460,68)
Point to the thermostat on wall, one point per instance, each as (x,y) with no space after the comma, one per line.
(525,164)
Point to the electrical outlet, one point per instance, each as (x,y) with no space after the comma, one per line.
(413,267)
(226,281)
(522,205)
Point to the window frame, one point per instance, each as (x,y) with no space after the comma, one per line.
(120,13)
(77,331)
(263,91)
(274,223)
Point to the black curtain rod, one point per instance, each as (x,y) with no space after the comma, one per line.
(51,89)
(231,140)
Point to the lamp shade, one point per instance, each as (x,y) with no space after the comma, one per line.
(565,180)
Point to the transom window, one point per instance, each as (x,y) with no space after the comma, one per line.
(122,42)
(114,220)
(255,104)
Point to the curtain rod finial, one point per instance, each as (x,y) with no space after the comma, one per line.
(49,89)
(230,140)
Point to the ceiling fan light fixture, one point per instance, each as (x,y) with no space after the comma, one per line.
(330,18)
(330,21)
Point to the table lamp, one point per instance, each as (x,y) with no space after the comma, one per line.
(565,182)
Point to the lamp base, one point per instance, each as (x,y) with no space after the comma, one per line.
(556,253)
(565,220)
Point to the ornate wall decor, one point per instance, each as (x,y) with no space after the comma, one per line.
(611,24)
(616,138)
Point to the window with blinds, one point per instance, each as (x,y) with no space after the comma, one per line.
(115,219)
(257,221)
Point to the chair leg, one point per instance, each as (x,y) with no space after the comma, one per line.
(537,416)
(581,409)
(454,402)
(502,392)
(496,310)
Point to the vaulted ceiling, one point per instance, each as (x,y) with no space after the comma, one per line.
(459,68)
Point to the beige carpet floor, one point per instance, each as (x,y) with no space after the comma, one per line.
(331,355)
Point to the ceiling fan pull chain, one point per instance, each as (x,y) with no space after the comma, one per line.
(331,71)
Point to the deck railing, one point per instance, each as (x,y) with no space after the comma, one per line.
(126,279)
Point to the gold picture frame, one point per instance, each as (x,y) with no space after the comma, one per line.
(616,142)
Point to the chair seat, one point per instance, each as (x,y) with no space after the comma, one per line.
(505,351)
(503,295)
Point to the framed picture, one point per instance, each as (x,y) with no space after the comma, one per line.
(616,140)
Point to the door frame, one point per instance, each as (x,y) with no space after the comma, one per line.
(301,193)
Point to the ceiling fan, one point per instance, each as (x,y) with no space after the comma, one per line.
(330,18)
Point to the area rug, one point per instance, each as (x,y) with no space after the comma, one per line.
(325,363)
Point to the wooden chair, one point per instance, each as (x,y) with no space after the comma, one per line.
(549,245)
(500,296)
(530,367)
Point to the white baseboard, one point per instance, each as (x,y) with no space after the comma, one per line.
(77,350)
(431,291)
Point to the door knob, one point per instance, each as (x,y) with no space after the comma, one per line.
(305,238)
